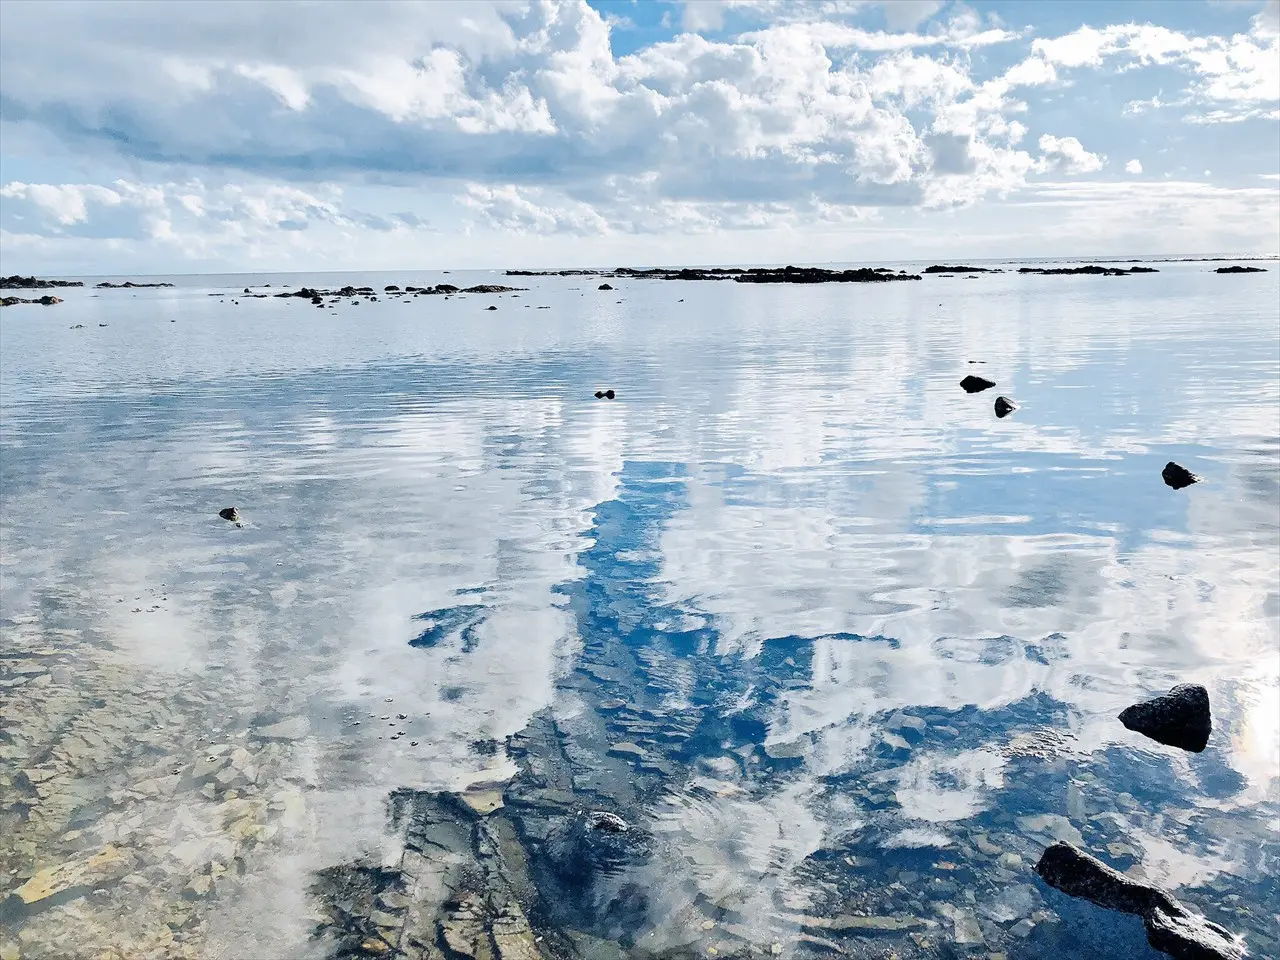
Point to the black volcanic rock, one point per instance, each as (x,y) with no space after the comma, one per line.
(45,301)
(1240,269)
(1178,476)
(605,394)
(1004,407)
(33,283)
(819,275)
(491,307)
(231,514)
(972,384)
(1180,718)
(604,286)
(129,285)
(937,268)
(1091,269)
(1171,927)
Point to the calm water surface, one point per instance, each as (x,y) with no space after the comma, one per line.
(844,648)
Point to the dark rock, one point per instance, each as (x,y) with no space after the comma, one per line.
(1171,927)
(1179,718)
(604,286)
(486,288)
(1239,269)
(246,289)
(230,513)
(129,285)
(599,394)
(318,301)
(609,822)
(605,394)
(937,268)
(972,384)
(1178,476)
(1004,407)
(390,288)
(46,301)
(33,283)
(491,307)
(1091,269)
(818,275)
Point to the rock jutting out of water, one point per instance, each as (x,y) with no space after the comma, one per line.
(491,307)
(1004,407)
(1180,718)
(604,286)
(972,384)
(1171,927)
(231,514)
(129,285)
(1239,269)
(789,274)
(16,282)
(605,394)
(1091,270)
(1178,476)
(942,268)
(45,301)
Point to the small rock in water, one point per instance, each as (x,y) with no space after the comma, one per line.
(1004,407)
(1171,927)
(972,384)
(1180,718)
(608,822)
(605,394)
(1178,476)
(604,286)
(491,307)
(230,513)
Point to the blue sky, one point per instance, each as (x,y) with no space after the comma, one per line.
(142,137)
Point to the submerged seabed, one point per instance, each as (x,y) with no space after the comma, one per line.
(843,649)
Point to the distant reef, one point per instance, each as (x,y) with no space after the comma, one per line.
(936,268)
(46,301)
(1091,269)
(33,283)
(128,285)
(1239,269)
(738,274)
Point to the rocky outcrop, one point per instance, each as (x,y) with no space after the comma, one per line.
(604,286)
(1178,476)
(1239,269)
(45,301)
(937,268)
(1004,407)
(972,384)
(1180,718)
(819,275)
(1171,927)
(16,282)
(1092,270)
(787,274)
(128,285)
(605,394)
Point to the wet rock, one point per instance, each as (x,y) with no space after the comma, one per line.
(604,286)
(1004,407)
(1240,269)
(605,394)
(609,822)
(230,513)
(972,384)
(1171,927)
(1178,476)
(390,288)
(1180,718)
(16,282)
(491,307)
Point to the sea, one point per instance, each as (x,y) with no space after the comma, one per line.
(842,649)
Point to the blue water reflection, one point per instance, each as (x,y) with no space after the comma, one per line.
(844,645)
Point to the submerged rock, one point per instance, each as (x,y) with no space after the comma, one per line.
(1178,476)
(1179,718)
(972,384)
(1004,407)
(609,822)
(230,513)
(1171,927)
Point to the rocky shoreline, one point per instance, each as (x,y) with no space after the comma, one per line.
(16,282)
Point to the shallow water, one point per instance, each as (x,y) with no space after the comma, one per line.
(871,639)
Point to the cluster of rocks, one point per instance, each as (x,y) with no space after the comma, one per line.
(789,274)
(942,268)
(317,296)
(129,285)
(16,282)
(1091,269)
(1239,269)
(47,300)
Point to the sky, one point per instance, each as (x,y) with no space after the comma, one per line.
(140,137)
